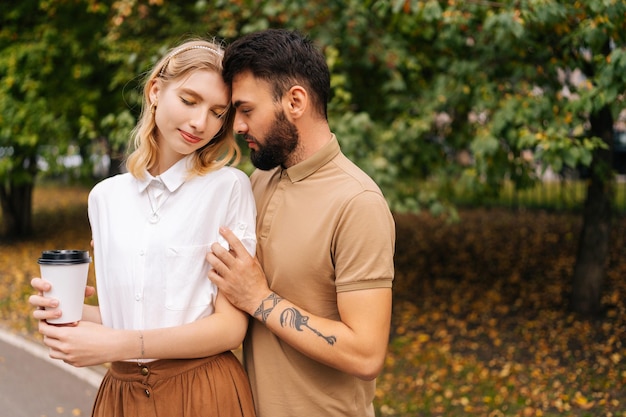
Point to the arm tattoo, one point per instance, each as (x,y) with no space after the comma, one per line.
(293,318)
(266,306)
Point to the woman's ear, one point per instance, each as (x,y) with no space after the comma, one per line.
(153,92)
(297,101)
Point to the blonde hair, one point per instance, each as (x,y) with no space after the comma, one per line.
(195,54)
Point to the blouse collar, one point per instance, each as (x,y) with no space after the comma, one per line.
(173,178)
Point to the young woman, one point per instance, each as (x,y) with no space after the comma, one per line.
(160,322)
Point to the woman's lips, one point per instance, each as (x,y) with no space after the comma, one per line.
(190,138)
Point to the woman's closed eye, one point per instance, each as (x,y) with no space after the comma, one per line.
(219,113)
(187,102)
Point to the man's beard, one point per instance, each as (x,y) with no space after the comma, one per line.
(281,140)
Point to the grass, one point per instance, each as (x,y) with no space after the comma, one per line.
(480,323)
(560,195)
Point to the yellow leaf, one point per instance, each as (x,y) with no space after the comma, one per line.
(582,401)
(423,337)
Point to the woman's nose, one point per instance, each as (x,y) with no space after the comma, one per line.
(199,120)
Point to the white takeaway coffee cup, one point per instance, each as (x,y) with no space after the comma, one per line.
(67,271)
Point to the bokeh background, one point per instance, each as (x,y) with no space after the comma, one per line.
(495,129)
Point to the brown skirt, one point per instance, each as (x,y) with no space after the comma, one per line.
(216,386)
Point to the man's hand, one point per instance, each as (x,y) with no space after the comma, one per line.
(238,275)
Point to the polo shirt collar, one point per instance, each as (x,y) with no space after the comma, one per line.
(172,178)
(320,158)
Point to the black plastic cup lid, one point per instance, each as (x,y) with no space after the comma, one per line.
(64,257)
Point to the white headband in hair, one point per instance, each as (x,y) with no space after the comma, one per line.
(188,48)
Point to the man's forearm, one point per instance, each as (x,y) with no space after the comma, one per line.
(356,344)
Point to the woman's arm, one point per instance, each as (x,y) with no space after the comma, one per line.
(92,314)
(88,344)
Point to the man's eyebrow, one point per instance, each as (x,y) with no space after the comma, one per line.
(238,103)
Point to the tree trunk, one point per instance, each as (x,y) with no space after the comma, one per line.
(17,208)
(594,243)
(116,165)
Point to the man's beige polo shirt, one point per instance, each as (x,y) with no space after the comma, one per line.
(323,227)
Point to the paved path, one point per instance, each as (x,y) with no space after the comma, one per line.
(33,385)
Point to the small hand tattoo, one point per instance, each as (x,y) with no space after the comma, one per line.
(293,318)
(266,306)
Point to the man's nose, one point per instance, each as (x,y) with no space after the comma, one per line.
(240,126)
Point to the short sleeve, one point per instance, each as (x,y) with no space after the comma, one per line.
(364,244)
(242,212)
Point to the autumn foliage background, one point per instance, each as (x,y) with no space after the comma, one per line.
(480,324)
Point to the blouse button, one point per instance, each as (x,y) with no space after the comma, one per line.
(145,371)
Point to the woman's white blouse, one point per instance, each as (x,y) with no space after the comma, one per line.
(154,274)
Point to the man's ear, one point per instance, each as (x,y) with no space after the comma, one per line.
(297,101)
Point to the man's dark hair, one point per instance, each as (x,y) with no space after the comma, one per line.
(283,58)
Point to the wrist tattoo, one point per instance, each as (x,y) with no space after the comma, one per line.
(293,318)
(266,306)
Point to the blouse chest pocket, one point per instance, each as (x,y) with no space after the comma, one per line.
(186,278)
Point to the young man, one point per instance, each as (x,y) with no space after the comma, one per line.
(320,287)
